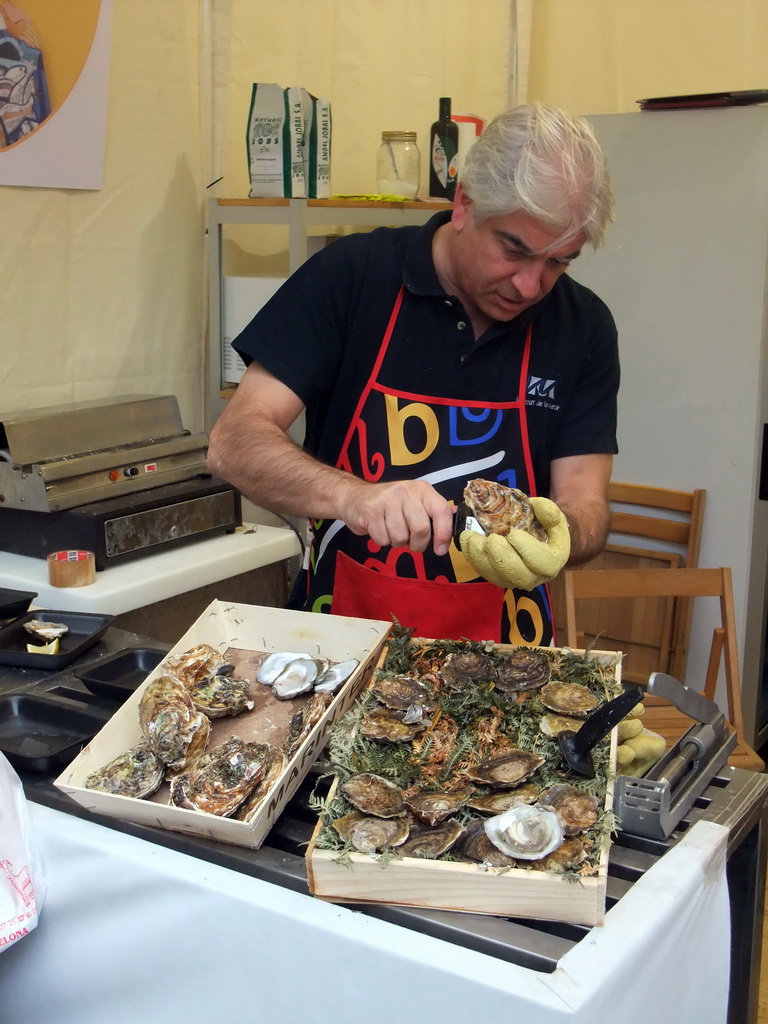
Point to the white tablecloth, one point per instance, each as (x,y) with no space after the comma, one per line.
(132,932)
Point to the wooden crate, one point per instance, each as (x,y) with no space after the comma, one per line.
(460,886)
(237,629)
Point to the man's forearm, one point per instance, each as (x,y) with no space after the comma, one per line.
(588,522)
(268,468)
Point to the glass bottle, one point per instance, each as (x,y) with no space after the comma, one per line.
(398,163)
(443,153)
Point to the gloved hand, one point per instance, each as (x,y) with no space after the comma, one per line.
(519,560)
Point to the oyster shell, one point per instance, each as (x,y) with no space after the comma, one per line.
(571,699)
(525,832)
(274,664)
(500,509)
(195,664)
(507,770)
(297,677)
(552,725)
(47,631)
(374,795)
(305,719)
(368,834)
(578,809)
(436,806)
(432,842)
(274,762)
(401,692)
(462,667)
(524,669)
(174,729)
(222,778)
(137,772)
(220,694)
(502,799)
(567,857)
(335,676)
(476,845)
(386,724)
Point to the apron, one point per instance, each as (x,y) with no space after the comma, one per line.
(394,435)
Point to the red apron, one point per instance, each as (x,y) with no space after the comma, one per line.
(395,434)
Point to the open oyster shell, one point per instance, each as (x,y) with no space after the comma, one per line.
(137,772)
(526,832)
(45,631)
(476,845)
(500,509)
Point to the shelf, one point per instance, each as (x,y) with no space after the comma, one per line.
(298,215)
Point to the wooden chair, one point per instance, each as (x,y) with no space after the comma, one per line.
(617,585)
(651,528)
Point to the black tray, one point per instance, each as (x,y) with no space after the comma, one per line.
(84,630)
(14,602)
(39,735)
(118,675)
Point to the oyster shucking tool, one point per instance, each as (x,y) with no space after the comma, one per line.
(653,805)
(576,747)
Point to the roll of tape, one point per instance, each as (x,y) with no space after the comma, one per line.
(71,568)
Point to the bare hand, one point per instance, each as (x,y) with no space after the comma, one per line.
(405,513)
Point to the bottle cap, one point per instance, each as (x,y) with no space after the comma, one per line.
(402,136)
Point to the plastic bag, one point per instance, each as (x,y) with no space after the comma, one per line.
(22,885)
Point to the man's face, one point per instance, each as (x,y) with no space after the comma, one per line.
(502,265)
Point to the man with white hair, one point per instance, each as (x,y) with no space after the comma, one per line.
(428,356)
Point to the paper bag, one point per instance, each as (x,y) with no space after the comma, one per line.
(22,886)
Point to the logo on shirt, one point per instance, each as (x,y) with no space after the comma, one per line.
(539,387)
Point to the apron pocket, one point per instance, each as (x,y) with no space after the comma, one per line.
(438,611)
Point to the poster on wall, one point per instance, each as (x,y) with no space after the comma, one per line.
(54,78)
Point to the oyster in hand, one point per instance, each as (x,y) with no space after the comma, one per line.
(136,772)
(500,509)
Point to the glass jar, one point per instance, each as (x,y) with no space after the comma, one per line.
(398,163)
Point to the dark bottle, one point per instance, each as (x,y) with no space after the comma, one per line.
(443,153)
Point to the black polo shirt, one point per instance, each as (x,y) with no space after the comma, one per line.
(321,332)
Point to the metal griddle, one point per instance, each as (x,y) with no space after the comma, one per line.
(121,478)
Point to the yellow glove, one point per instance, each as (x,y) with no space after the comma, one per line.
(519,560)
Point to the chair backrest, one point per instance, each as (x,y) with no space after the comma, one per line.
(629,584)
(651,528)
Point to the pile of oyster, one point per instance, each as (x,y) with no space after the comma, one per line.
(497,810)
(232,778)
